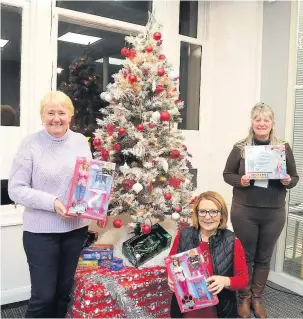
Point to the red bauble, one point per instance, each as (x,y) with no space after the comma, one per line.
(117,223)
(151,125)
(168,196)
(117,147)
(140,127)
(145,71)
(149,49)
(132,79)
(132,53)
(96,142)
(162,57)
(174,182)
(174,154)
(177,209)
(125,52)
(159,89)
(121,131)
(146,229)
(157,36)
(177,101)
(127,184)
(110,129)
(104,154)
(161,71)
(164,116)
(193,200)
(184,147)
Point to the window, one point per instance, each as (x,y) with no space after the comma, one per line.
(10,65)
(190,82)
(128,11)
(188,18)
(293,258)
(84,80)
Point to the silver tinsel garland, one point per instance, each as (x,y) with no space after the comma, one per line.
(120,295)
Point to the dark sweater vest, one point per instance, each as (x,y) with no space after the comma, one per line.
(222,254)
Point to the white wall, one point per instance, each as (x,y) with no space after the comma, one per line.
(275,58)
(15,280)
(235,35)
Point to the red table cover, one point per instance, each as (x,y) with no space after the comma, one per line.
(131,292)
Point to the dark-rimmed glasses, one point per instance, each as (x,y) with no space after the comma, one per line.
(212,212)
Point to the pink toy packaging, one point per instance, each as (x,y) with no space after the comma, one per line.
(90,190)
(188,273)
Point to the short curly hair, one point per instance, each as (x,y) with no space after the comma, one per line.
(56,97)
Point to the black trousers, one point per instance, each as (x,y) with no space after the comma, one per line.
(258,229)
(52,260)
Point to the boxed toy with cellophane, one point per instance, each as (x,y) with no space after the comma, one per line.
(189,274)
(90,190)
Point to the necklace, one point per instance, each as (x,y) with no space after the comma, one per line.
(200,236)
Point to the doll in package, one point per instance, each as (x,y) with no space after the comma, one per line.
(188,273)
(90,190)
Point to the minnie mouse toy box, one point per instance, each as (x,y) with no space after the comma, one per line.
(189,274)
(90,190)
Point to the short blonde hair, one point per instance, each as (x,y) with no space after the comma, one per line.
(59,98)
(218,200)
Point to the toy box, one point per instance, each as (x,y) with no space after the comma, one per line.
(189,274)
(141,248)
(265,162)
(97,253)
(111,264)
(90,190)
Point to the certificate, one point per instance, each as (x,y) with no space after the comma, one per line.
(265,162)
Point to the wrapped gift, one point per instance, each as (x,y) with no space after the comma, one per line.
(128,293)
(141,248)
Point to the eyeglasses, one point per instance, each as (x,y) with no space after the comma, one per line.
(212,212)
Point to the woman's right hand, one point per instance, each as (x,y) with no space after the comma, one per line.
(170,284)
(60,209)
(245,181)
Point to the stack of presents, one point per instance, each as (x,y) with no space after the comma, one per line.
(105,288)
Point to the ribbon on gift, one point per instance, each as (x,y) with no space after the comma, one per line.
(120,294)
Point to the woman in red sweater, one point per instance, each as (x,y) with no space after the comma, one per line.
(222,251)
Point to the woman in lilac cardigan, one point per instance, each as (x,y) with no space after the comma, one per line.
(40,180)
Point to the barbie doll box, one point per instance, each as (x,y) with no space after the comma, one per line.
(189,274)
(265,162)
(90,190)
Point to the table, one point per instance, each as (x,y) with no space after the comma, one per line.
(131,292)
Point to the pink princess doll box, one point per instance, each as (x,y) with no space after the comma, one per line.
(188,273)
(90,190)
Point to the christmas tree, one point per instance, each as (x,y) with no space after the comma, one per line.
(138,132)
(84,89)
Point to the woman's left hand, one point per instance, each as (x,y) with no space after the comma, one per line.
(217,283)
(286,180)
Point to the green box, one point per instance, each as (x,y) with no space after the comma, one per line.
(144,247)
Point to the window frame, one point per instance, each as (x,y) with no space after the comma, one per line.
(87,20)
(278,275)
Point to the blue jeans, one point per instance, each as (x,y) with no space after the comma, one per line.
(80,191)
